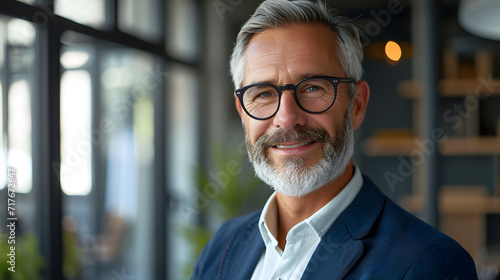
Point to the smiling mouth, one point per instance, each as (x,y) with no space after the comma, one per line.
(293,145)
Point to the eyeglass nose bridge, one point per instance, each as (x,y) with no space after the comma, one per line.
(294,90)
(287,87)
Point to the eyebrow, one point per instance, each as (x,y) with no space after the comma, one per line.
(300,78)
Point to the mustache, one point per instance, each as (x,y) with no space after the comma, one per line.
(299,134)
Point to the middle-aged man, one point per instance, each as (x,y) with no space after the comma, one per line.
(297,67)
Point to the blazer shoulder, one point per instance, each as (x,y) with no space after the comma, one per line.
(402,245)
(422,249)
(230,228)
(446,261)
(409,225)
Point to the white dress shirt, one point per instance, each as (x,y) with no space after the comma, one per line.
(302,239)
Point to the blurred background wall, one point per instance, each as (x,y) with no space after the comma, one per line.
(121,150)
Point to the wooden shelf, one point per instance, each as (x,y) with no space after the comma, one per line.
(468,87)
(457,200)
(388,146)
(393,146)
(453,87)
(410,89)
(471,146)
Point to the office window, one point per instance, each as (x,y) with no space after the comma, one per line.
(107,150)
(83,113)
(17,58)
(17,89)
(183,162)
(183,34)
(88,12)
(3,145)
(140,18)
(19,132)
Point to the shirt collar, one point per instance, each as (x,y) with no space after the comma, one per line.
(320,221)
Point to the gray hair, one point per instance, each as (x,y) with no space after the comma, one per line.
(278,13)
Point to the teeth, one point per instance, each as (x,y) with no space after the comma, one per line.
(292,146)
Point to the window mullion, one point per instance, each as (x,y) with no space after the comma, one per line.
(112,15)
(49,149)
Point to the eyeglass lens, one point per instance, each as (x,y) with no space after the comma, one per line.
(314,95)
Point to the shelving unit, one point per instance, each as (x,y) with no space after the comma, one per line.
(463,208)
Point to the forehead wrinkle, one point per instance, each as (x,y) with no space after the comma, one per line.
(263,79)
(258,59)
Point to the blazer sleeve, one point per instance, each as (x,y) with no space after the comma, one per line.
(206,262)
(445,261)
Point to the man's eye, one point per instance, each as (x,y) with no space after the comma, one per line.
(265,94)
(313,88)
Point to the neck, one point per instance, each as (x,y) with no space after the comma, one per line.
(292,210)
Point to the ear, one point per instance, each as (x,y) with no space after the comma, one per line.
(238,105)
(360,103)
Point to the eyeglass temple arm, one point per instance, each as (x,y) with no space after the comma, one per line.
(346,80)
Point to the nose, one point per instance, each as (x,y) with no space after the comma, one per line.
(289,113)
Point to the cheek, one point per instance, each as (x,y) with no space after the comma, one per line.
(254,128)
(333,121)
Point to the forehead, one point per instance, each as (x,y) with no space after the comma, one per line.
(292,52)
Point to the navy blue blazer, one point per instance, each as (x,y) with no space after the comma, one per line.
(372,239)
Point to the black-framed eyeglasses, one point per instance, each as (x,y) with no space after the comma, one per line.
(314,95)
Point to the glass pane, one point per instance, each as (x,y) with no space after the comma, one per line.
(140,18)
(127,104)
(3,143)
(109,227)
(183,161)
(3,41)
(19,132)
(88,12)
(182,28)
(20,32)
(18,69)
(76,176)
(17,89)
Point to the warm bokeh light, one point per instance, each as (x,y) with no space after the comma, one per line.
(393,51)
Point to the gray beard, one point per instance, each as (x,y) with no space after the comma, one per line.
(295,179)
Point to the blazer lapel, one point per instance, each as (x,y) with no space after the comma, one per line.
(335,255)
(242,254)
(342,246)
